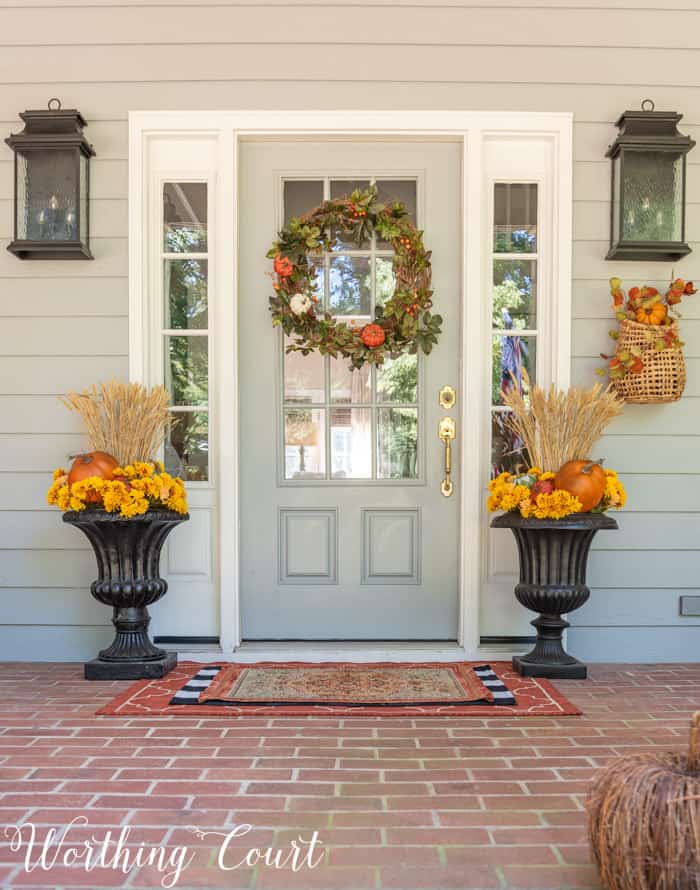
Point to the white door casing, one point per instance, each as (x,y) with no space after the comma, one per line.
(203,146)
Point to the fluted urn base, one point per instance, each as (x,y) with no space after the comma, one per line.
(128,562)
(553,555)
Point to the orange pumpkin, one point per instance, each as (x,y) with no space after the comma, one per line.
(283,266)
(585,479)
(372,335)
(654,314)
(94,463)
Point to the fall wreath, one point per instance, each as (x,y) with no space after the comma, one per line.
(403,323)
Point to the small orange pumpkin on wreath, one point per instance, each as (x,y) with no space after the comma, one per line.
(403,324)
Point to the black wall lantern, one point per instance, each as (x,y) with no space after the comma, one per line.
(648,186)
(52,186)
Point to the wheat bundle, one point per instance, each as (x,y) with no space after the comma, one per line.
(557,426)
(644,820)
(127,420)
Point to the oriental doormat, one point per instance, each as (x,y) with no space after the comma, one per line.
(342,689)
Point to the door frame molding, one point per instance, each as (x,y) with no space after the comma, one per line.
(224,130)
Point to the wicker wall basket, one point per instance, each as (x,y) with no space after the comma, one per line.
(663,376)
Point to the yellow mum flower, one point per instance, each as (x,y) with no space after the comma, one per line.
(57,473)
(76,504)
(556,505)
(114,495)
(545,476)
(526,508)
(134,508)
(521,492)
(534,471)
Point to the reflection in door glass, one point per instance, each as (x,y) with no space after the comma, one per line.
(360,424)
(397,443)
(397,380)
(304,378)
(351,443)
(348,386)
(350,286)
(305,444)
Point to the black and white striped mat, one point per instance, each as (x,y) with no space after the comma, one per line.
(189,694)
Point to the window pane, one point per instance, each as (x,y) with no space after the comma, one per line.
(351,443)
(185,217)
(304,444)
(515,294)
(187,446)
(341,188)
(385,280)
(187,370)
(350,286)
(652,195)
(513,364)
(515,217)
(300,196)
(404,190)
(397,379)
(397,443)
(185,289)
(507,453)
(349,385)
(304,378)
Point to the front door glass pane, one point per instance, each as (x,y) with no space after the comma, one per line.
(304,378)
(397,444)
(351,443)
(305,443)
(365,439)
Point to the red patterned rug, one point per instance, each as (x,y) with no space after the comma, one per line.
(342,689)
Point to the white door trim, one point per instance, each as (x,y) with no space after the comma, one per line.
(227,128)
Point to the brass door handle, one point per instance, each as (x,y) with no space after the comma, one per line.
(447,432)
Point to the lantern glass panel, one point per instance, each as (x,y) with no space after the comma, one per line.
(616,174)
(47,193)
(652,195)
(83,199)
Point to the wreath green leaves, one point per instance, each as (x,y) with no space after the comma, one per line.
(403,324)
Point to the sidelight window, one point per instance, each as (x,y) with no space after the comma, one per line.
(185,332)
(514,316)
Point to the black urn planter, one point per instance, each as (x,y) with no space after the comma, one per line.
(128,564)
(553,555)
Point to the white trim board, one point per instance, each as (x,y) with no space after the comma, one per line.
(221,132)
(251,653)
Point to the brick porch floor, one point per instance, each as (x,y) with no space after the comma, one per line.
(398,802)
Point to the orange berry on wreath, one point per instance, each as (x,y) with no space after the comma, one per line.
(283,266)
(372,335)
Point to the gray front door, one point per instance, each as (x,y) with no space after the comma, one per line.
(345,534)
